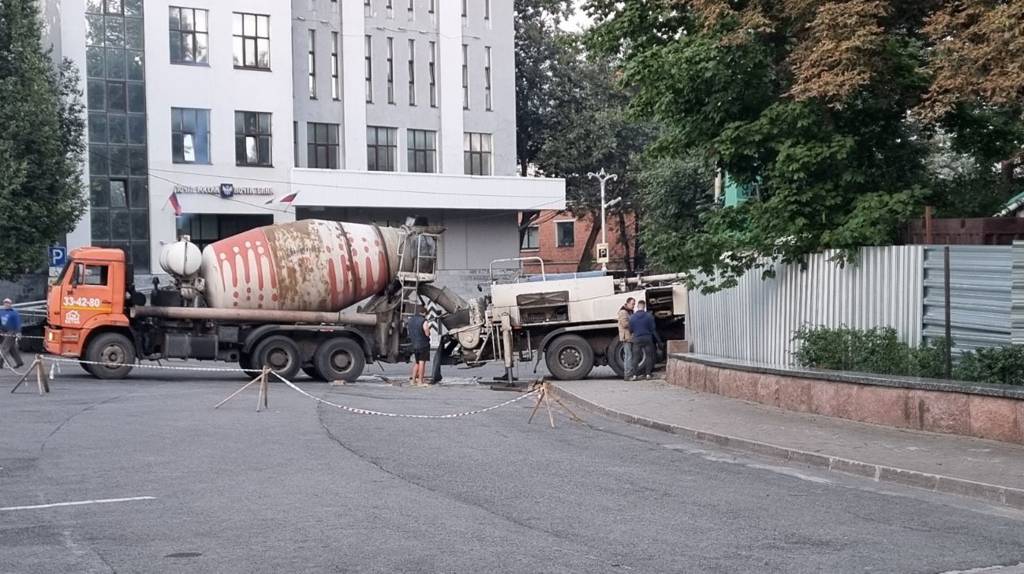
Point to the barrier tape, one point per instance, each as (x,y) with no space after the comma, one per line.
(358,411)
(20,336)
(147,366)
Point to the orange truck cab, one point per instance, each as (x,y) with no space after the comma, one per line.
(87,314)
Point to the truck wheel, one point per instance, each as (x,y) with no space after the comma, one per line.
(339,359)
(569,358)
(280,354)
(245,363)
(616,358)
(114,352)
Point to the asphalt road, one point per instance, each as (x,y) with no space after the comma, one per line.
(310,488)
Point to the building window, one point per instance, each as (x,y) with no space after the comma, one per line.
(488,102)
(368,65)
(190,135)
(335,67)
(252,40)
(381,148)
(477,153)
(412,72)
(422,151)
(531,239)
(432,72)
(565,233)
(189,36)
(311,64)
(253,139)
(115,74)
(391,70)
(465,77)
(322,146)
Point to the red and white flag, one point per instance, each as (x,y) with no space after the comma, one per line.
(288,198)
(173,200)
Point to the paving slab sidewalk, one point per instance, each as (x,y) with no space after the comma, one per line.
(978,468)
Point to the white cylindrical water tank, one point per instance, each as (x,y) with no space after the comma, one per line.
(181,259)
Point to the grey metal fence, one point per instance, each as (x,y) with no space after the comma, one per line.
(755,321)
(980,295)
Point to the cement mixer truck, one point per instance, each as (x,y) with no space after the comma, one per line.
(284,296)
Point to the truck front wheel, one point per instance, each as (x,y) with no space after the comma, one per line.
(114,354)
(280,354)
(569,358)
(339,359)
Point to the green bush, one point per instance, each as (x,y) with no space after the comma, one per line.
(880,351)
(1001,365)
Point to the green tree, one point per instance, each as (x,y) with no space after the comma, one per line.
(816,104)
(539,56)
(41,142)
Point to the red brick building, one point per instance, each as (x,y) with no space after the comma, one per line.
(567,243)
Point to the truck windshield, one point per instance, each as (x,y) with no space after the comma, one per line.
(64,272)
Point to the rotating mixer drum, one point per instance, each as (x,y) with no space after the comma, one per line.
(309,265)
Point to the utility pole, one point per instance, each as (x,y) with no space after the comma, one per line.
(603,177)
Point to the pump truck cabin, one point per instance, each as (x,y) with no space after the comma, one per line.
(326,297)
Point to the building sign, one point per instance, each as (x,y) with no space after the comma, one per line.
(602,253)
(225,190)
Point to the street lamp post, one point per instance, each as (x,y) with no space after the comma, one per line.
(603,177)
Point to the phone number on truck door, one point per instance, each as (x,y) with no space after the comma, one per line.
(84,302)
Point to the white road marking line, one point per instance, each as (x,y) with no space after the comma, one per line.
(77,503)
(707,455)
(1007,569)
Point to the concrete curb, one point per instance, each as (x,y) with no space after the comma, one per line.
(1004,495)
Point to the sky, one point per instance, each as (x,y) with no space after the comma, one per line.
(578,21)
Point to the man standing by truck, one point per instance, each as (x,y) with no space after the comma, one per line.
(645,333)
(626,338)
(10,328)
(419,334)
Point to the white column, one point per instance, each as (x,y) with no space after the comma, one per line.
(353,32)
(66,29)
(450,84)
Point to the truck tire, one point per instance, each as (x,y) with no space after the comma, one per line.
(245,363)
(616,355)
(112,349)
(279,353)
(339,359)
(569,358)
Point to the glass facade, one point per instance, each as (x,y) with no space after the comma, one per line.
(116,98)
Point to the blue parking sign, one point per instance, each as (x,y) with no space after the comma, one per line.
(58,256)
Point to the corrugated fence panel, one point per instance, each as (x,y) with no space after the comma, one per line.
(1017,317)
(755,321)
(980,300)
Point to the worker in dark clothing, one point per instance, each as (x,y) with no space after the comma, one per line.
(645,334)
(418,329)
(10,329)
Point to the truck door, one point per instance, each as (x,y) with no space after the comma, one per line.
(88,294)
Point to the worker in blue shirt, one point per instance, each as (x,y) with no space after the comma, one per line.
(10,329)
(645,334)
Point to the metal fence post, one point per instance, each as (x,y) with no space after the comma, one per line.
(949,327)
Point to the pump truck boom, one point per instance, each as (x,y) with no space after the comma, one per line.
(282,296)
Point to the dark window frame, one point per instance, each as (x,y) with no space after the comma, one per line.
(263,139)
(250,42)
(322,142)
(478,160)
(180,33)
(533,232)
(178,131)
(376,151)
(571,241)
(422,151)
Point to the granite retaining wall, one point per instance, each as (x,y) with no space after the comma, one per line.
(983,411)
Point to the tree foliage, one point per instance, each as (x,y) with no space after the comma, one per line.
(829,109)
(41,142)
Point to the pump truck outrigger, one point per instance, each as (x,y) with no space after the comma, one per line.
(281,296)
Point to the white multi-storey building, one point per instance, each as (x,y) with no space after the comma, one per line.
(356,110)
